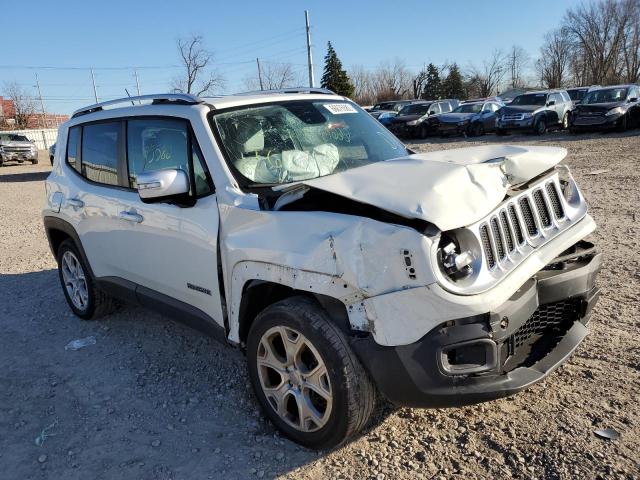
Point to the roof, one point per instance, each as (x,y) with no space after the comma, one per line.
(217,102)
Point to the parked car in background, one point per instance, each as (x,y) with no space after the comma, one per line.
(391,107)
(470,118)
(411,121)
(14,147)
(577,93)
(507,96)
(536,112)
(608,108)
(52,153)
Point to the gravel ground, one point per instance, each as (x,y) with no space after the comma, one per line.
(153,399)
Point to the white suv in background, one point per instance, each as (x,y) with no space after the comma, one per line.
(297,228)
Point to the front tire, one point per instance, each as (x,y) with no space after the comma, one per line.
(85,299)
(622,126)
(565,121)
(424,132)
(540,127)
(305,376)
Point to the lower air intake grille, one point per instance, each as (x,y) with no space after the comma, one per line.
(527,213)
(541,332)
(541,206)
(486,245)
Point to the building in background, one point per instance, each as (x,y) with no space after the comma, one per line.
(34,120)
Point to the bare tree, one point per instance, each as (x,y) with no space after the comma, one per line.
(517,62)
(275,75)
(487,79)
(555,59)
(631,43)
(199,78)
(597,30)
(392,81)
(363,88)
(24,106)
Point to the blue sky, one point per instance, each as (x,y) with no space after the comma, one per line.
(117,33)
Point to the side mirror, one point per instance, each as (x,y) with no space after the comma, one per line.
(551,103)
(633,99)
(164,185)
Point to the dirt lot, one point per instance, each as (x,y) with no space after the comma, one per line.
(153,399)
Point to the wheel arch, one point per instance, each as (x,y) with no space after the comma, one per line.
(58,231)
(259,294)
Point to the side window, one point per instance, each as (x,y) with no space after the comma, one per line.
(633,93)
(100,152)
(73,146)
(157,144)
(434,108)
(445,107)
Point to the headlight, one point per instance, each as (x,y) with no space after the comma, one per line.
(527,115)
(455,262)
(615,111)
(568,185)
(413,123)
(462,122)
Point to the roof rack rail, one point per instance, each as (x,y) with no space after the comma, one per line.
(323,91)
(178,98)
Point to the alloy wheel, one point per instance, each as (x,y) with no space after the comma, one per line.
(294,378)
(75,281)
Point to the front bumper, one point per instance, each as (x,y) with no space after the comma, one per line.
(602,122)
(525,124)
(496,354)
(19,156)
(452,128)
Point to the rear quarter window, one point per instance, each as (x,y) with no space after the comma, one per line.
(73,147)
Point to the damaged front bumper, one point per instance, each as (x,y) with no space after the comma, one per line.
(498,353)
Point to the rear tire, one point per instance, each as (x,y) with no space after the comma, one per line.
(83,296)
(305,376)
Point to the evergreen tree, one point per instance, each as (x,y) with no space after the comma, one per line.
(453,84)
(432,86)
(334,77)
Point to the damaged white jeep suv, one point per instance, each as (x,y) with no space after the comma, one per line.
(296,227)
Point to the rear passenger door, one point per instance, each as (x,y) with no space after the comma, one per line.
(170,249)
(94,191)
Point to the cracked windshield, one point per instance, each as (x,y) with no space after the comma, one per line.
(300,140)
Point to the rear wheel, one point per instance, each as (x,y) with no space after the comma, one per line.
(305,376)
(85,299)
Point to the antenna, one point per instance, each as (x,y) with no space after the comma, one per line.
(128,95)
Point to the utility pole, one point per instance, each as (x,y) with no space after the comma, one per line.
(44,115)
(259,74)
(95,91)
(309,55)
(137,82)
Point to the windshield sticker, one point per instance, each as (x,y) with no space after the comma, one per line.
(339,108)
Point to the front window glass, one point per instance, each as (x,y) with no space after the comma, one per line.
(469,108)
(100,152)
(606,95)
(300,140)
(530,99)
(415,109)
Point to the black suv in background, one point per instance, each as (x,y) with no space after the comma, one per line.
(411,121)
(536,112)
(605,108)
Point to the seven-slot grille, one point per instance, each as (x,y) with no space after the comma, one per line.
(16,148)
(513,117)
(505,230)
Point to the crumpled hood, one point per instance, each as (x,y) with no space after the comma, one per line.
(451,188)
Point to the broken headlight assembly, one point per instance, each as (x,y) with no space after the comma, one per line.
(458,256)
(568,186)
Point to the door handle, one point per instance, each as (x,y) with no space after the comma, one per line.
(75,202)
(131,217)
